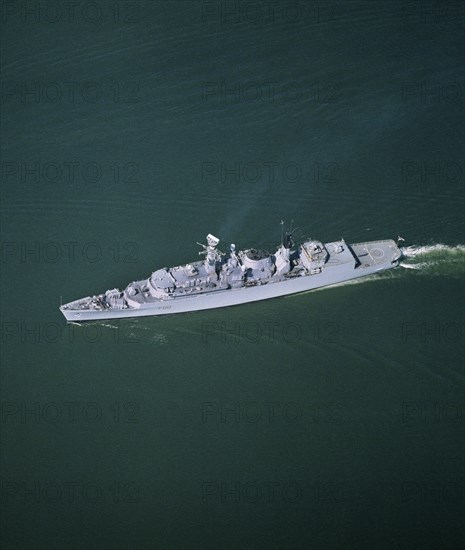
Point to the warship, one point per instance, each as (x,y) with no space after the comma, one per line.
(238,277)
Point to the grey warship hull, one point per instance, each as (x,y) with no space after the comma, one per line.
(250,276)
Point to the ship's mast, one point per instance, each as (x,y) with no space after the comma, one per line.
(286,236)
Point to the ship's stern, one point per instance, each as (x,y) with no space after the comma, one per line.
(377,254)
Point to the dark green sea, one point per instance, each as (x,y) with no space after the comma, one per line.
(328,420)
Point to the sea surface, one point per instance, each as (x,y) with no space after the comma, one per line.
(328,420)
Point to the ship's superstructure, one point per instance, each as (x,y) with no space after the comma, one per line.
(221,280)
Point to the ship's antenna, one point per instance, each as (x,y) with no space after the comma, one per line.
(204,251)
(288,241)
(282,232)
(297,233)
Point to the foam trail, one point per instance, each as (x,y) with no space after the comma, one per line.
(410,266)
(440,259)
(433,249)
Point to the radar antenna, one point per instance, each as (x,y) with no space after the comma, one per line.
(210,251)
(204,246)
